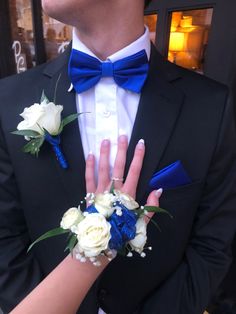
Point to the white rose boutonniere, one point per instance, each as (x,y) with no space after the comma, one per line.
(43,122)
(40,117)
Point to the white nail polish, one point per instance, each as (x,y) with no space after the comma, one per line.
(141,143)
(90,155)
(158,193)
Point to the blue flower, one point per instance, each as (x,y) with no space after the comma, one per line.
(123,227)
(91,209)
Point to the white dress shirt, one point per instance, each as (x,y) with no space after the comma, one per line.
(112,110)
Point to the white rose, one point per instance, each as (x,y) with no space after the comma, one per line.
(104,204)
(140,239)
(126,199)
(93,234)
(71,217)
(46,115)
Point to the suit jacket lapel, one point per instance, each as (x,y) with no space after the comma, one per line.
(72,178)
(158,111)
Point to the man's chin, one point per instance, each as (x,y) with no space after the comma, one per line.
(56,10)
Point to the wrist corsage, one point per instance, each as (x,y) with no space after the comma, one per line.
(112,222)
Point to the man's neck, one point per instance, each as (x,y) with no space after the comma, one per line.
(108,33)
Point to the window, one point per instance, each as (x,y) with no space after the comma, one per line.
(57,36)
(151,21)
(22,34)
(189,38)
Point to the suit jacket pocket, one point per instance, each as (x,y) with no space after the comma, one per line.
(182,203)
(183,193)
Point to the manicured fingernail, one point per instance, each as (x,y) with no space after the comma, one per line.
(158,193)
(90,155)
(122,138)
(141,143)
(105,142)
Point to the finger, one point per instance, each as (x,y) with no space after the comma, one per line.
(90,174)
(104,167)
(119,166)
(131,181)
(153,200)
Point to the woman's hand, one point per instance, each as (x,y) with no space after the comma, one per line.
(129,186)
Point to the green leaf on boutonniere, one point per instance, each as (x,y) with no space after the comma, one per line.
(70,119)
(33,147)
(28,133)
(155,209)
(44,98)
(49,234)
(71,244)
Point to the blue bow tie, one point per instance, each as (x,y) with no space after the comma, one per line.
(129,73)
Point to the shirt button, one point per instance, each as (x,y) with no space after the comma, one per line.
(106,113)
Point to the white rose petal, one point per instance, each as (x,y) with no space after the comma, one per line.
(71,218)
(140,239)
(39,116)
(93,234)
(126,199)
(104,204)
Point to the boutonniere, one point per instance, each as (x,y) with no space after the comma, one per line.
(42,122)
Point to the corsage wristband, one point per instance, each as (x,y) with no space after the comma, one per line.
(112,222)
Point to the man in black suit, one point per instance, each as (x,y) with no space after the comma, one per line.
(181,116)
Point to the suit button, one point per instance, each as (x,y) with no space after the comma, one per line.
(102,294)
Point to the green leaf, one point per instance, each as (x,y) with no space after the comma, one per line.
(69,119)
(72,242)
(44,98)
(29,133)
(122,251)
(55,91)
(112,188)
(49,234)
(33,147)
(153,222)
(155,209)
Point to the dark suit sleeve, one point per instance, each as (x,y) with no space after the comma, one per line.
(19,271)
(207,257)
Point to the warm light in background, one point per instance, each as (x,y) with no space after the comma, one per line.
(176,41)
(189,38)
(151,22)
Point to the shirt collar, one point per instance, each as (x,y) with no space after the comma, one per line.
(141,43)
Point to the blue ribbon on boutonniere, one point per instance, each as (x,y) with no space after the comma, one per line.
(55,142)
(170,177)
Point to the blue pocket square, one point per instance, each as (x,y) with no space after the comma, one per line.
(171,176)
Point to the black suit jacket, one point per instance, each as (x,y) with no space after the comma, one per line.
(182,116)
